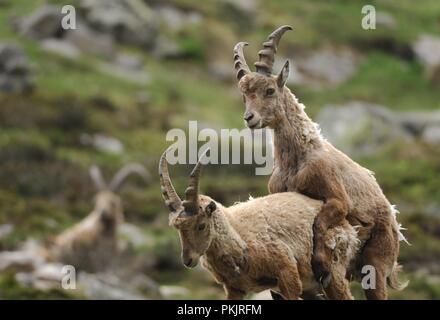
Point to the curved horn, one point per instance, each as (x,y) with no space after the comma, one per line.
(240,64)
(267,54)
(125,171)
(97,178)
(191,203)
(172,199)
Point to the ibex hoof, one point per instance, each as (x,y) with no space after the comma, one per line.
(276,295)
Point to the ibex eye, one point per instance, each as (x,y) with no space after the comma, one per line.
(201,227)
(270,91)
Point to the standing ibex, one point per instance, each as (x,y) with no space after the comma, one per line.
(307,163)
(264,243)
(92,243)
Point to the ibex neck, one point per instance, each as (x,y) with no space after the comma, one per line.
(296,135)
(226,241)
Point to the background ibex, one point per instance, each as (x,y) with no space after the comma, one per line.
(264,243)
(307,163)
(92,243)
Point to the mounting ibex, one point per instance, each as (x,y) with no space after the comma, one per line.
(307,163)
(264,243)
(92,243)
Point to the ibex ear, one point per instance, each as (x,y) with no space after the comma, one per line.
(210,208)
(284,74)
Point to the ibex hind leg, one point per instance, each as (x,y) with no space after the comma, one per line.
(338,288)
(289,282)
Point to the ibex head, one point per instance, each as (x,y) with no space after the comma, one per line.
(191,217)
(108,204)
(262,91)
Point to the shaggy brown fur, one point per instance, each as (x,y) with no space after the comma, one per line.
(264,243)
(308,164)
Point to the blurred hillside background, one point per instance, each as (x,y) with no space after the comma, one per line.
(107,93)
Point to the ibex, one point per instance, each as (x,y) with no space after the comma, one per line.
(264,243)
(92,243)
(307,163)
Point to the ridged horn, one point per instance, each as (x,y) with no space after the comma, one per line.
(240,64)
(172,199)
(97,178)
(191,203)
(125,171)
(267,54)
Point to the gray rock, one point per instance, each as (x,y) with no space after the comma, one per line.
(416,122)
(129,62)
(127,21)
(386,20)
(106,287)
(360,128)
(17,261)
(222,70)
(61,47)
(327,67)
(427,51)
(45,277)
(6,230)
(431,135)
(43,23)
(246,7)
(115,70)
(134,236)
(175,19)
(423,125)
(103,143)
(28,258)
(167,48)
(90,41)
(173,292)
(15,71)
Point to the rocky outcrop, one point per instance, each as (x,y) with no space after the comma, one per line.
(15,70)
(361,128)
(102,143)
(326,67)
(127,21)
(427,51)
(44,23)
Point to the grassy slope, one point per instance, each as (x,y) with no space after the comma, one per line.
(184,90)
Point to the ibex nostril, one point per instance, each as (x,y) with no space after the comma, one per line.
(188,263)
(248,116)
